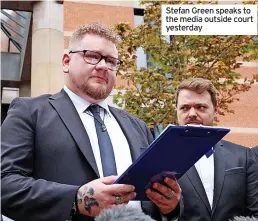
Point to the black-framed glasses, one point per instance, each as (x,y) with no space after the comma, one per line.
(93,57)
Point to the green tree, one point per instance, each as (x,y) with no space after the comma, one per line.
(151,95)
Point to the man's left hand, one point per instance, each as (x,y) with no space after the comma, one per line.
(168,197)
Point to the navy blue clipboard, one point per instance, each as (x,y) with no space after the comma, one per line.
(176,150)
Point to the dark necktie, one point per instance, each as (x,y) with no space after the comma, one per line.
(105,145)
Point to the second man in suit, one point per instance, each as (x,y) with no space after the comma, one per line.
(225,184)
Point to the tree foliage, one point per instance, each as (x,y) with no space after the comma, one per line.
(151,94)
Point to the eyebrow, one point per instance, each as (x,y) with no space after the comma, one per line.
(204,104)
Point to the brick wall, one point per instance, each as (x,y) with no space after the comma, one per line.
(76,13)
(245,117)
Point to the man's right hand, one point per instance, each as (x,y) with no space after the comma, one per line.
(98,194)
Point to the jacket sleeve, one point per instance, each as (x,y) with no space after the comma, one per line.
(252,185)
(23,197)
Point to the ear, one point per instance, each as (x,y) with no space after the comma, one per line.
(65,62)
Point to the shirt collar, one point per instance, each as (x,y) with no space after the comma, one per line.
(80,104)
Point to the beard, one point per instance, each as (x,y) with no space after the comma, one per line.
(97,92)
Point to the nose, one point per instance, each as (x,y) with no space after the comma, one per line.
(192,113)
(102,64)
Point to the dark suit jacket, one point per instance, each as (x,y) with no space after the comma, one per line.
(46,156)
(255,150)
(235,186)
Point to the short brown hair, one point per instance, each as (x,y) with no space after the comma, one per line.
(96,29)
(198,85)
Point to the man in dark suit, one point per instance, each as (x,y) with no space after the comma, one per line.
(225,184)
(56,157)
(255,150)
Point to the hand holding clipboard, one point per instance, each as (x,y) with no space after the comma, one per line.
(172,154)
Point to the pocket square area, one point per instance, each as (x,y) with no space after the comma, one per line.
(235,170)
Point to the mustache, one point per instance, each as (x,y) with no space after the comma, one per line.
(99,76)
(193,122)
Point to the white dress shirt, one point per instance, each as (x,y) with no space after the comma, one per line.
(205,169)
(119,142)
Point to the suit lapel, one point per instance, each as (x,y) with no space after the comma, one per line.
(128,130)
(219,173)
(195,180)
(69,115)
